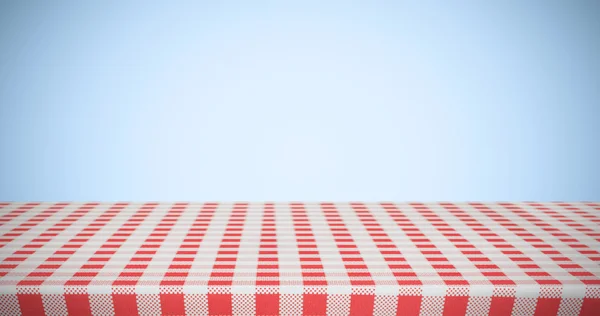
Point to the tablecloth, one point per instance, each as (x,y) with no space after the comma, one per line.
(299,258)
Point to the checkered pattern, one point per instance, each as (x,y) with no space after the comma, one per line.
(300,258)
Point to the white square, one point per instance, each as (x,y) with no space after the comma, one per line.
(243,289)
(287,289)
(339,289)
(8,289)
(195,289)
(527,290)
(99,289)
(573,290)
(386,290)
(434,290)
(481,290)
(52,289)
(147,289)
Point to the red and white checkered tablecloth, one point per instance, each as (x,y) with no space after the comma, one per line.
(300,258)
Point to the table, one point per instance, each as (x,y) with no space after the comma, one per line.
(299,258)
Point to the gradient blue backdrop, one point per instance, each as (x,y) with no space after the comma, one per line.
(300,100)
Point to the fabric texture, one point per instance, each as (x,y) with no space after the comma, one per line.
(300,258)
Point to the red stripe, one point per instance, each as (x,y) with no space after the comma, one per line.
(314,304)
(343,242)
(391,254)
(31,304)
(267,304)
(78,304)
(172,304)
(550,229)
(501,306)
(18,212)
(424,245)
(408,306)
(164,227)
(361,304)
(547,306)
(590,307)
(125,304)
(198,228)
(66,250)
(307,248)
(89,270)
(455,305)
(227,245)
(219,304)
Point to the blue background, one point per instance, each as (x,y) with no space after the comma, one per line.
(300,100)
